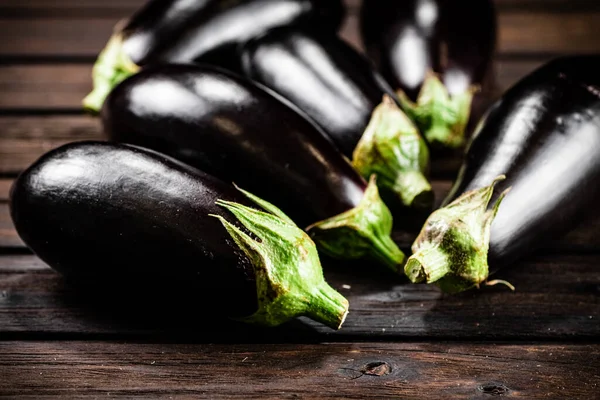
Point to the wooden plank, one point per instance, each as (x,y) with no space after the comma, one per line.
(51,87)
(25,138)
(556,298)
(509,72)
(530,32)
(22,264)
(386,370)
(123,8)
(44,86)
(537,33)
(4,189)
(68,8)
(8,235)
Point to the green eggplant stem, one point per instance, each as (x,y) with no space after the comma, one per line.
(441,117)
(393,149)
(289,277)
(111,68)
(363,231)
(452,249)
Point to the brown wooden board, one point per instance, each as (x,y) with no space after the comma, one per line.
(32,8)
(4,189)
(44,86)
(557,297)
(8,236)
(63,86)
(531,32)
(353,370)
(23,139)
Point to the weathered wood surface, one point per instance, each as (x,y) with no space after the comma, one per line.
(557,297)
(4,189)
(23,139)
(63,86)
(433,345)
(43,370)
(519,32)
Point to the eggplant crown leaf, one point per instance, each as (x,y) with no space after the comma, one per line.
(289,278)
(111,68)
(363,231)
(451,249)
(440,116)
(392,148)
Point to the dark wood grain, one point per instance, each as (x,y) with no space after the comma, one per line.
(25,138)
(44,86)
(8,236)
(353,371)
(557,297)
(63,86)
(4,189)
(531,32)
(21,264)
(31,8)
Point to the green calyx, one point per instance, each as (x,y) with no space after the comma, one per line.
(392,148)
(441,117)
(289,278)
(363,231)
(110,69)
(451,250)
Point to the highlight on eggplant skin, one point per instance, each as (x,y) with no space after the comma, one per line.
(322,75)
(543,134)
(191,31)
(338,88)
(240,132)
(414,41)
(112,214)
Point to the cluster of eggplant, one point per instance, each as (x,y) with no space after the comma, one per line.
(245,139)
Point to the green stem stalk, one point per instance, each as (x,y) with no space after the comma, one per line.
(363,231)
(393,149)
(441,117)
(451,250)
(289,277)
(111,68)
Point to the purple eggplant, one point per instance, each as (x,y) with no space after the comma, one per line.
(543,137)
(341,91)
(437,54)
(111,214)
(177,31)
(227,126)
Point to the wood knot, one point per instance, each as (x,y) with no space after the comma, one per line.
(377,368)
(494,389)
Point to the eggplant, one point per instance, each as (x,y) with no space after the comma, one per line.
(338,88)
(437,54)
(231,128)
(543,137)
(101,212)
(182,31)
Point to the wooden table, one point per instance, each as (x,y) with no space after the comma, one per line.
(400,340)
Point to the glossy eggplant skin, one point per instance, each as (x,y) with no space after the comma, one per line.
(322,75)
(110,214)
(235,130)
(184,31)
(408,38)
(544,135)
